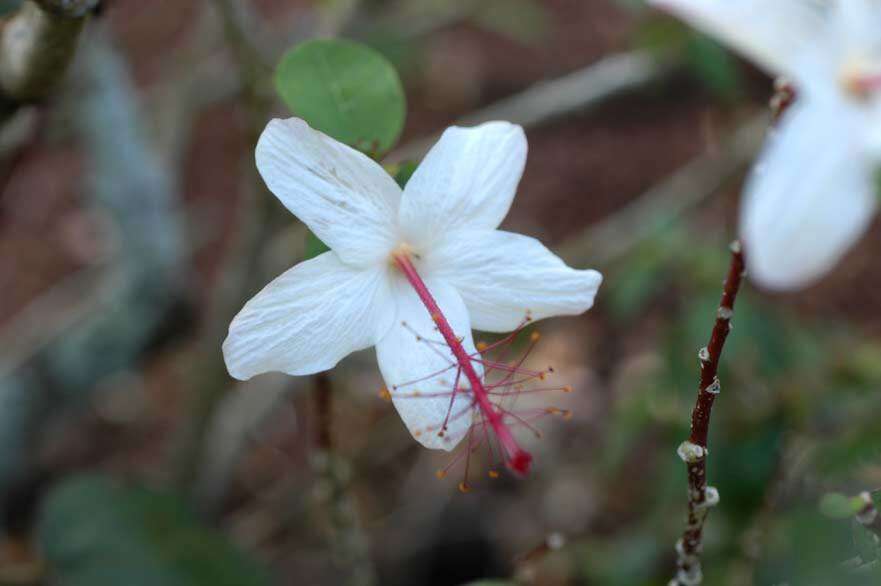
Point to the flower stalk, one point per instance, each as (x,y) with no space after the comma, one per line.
(693,451)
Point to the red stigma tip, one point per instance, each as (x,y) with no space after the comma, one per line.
(521,462)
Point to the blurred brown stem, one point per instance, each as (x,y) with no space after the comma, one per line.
(324,416)
(36,47)
(236,276)
(333,478)
(694,451)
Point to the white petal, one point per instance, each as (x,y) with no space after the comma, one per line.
(309,318)
(413,350)
(504,277)
(344,197)
(467,180)
(810,198)
(856,24)
(773,34)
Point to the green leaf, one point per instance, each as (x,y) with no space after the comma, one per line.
(838,506)
(95,532)
(714,66)
(314,246)
(346,90)
(402,172)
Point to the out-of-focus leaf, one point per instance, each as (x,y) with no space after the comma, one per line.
(402,172)
(807,549)
(95,532)
(526,21)
(346,90)
(839,506)
(742,466)
(314,246)
(625,561)
(714,65)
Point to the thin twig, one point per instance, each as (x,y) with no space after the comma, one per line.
(609,239)
(550,100)
(694,451)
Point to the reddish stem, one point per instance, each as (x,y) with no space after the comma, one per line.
(518,459)
(691,543)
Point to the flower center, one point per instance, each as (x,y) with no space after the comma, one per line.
(516,457)
(861,77)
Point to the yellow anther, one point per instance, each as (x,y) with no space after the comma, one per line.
(493,474)
(482,346)
(464,487)
(441,474)
(535,337)
(384,394)
(567,389)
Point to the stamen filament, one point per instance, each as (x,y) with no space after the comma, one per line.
(518,459)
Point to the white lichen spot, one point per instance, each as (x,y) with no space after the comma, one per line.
(704,355)
(691,453)
(725,313)
(711,497)
(714,388)
(693,576)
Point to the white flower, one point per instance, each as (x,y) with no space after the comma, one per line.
(812,193)
(442,226)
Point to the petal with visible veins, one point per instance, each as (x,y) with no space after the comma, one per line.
(467,181)
(413,350)
(344,197)
(502,276)
(309,318)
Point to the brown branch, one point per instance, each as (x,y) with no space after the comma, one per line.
(323,411)
(348,544)
(694,451)
(36,47)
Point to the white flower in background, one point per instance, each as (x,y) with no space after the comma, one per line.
(813,192)
(394,254)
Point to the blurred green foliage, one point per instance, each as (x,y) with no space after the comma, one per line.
(96,531)
(9,6)
(797,414)
(707,60)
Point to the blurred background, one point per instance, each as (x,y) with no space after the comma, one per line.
(133,226)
